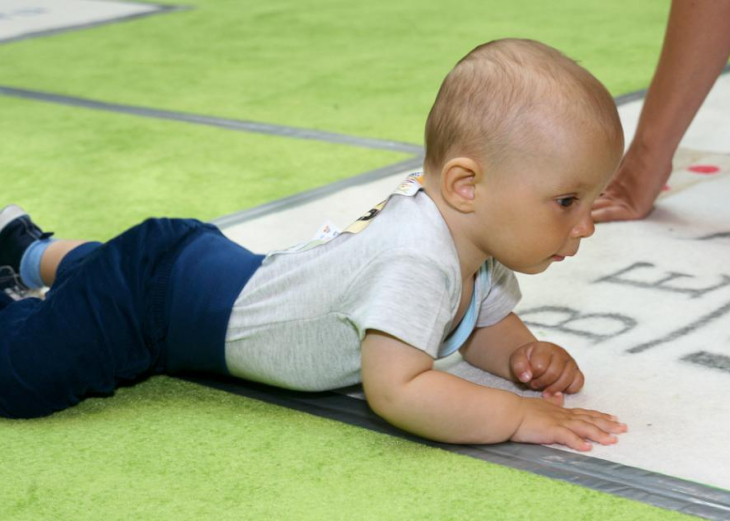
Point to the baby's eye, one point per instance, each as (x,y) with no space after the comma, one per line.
(567,202)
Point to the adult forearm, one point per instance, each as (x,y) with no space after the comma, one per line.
(696,48)
(443,407)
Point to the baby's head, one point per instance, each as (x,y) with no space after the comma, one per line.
(520,141)
(507,95)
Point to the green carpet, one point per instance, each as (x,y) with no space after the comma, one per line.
(170,450)
(90,175)
(370,69)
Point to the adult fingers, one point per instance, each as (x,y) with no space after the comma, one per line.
(616,213)
(603,201)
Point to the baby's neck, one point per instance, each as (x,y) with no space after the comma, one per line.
(470,256)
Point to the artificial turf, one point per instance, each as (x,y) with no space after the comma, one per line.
(171,450)
(89,175)
(370,69)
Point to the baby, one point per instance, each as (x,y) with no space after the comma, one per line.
(519,143)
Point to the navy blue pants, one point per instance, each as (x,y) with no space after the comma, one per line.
(156,299)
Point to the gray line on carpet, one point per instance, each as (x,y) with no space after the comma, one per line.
(711,360)
(160,9)
(575,315)
(300,198)
(682,331)
(623,99)
(661,284)
(605,476)
(713,236)
(229,124)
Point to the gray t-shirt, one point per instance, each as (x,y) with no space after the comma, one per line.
(300,320)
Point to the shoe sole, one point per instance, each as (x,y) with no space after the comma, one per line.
(9,214)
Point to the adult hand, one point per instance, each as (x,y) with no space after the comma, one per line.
(633,190)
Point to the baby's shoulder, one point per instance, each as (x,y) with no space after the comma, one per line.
(413,222)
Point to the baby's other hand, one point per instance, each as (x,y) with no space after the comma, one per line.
(545,421)
(547,367)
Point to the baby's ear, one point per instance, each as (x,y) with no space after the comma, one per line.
(458,183)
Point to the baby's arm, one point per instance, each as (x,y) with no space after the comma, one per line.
(402,387)
(508,349)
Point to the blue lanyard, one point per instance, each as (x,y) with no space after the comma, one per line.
(460,335)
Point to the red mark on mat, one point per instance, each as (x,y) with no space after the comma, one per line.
(666,188)
(704,169)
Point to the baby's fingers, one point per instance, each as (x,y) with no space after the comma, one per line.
(588,430)
(594,415)
(603,421)
(566,436)
(577,383)
(560,378)
(520,365)
(541,361)
(587,426)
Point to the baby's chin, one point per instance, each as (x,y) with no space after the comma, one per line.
(532,270)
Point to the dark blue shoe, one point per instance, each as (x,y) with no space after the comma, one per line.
(17,232)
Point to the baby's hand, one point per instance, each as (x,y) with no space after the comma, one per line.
(547,367)
(545,421)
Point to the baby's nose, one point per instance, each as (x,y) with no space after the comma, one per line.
(585,227)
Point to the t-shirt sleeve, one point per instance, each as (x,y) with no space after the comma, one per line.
(501,297)
(405,295)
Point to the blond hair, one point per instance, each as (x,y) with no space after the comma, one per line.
(487,103)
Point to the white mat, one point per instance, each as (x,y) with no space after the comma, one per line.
(644,307)
(21,18)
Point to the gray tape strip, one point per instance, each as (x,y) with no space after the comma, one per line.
(414,163)
(229,124)
(50,32)
(612,478)
(623,99)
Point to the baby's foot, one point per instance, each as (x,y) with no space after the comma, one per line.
(17,233)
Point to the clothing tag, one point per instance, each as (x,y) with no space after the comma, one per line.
(411,186)
(328,231)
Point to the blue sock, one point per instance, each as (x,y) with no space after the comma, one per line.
(30,263)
